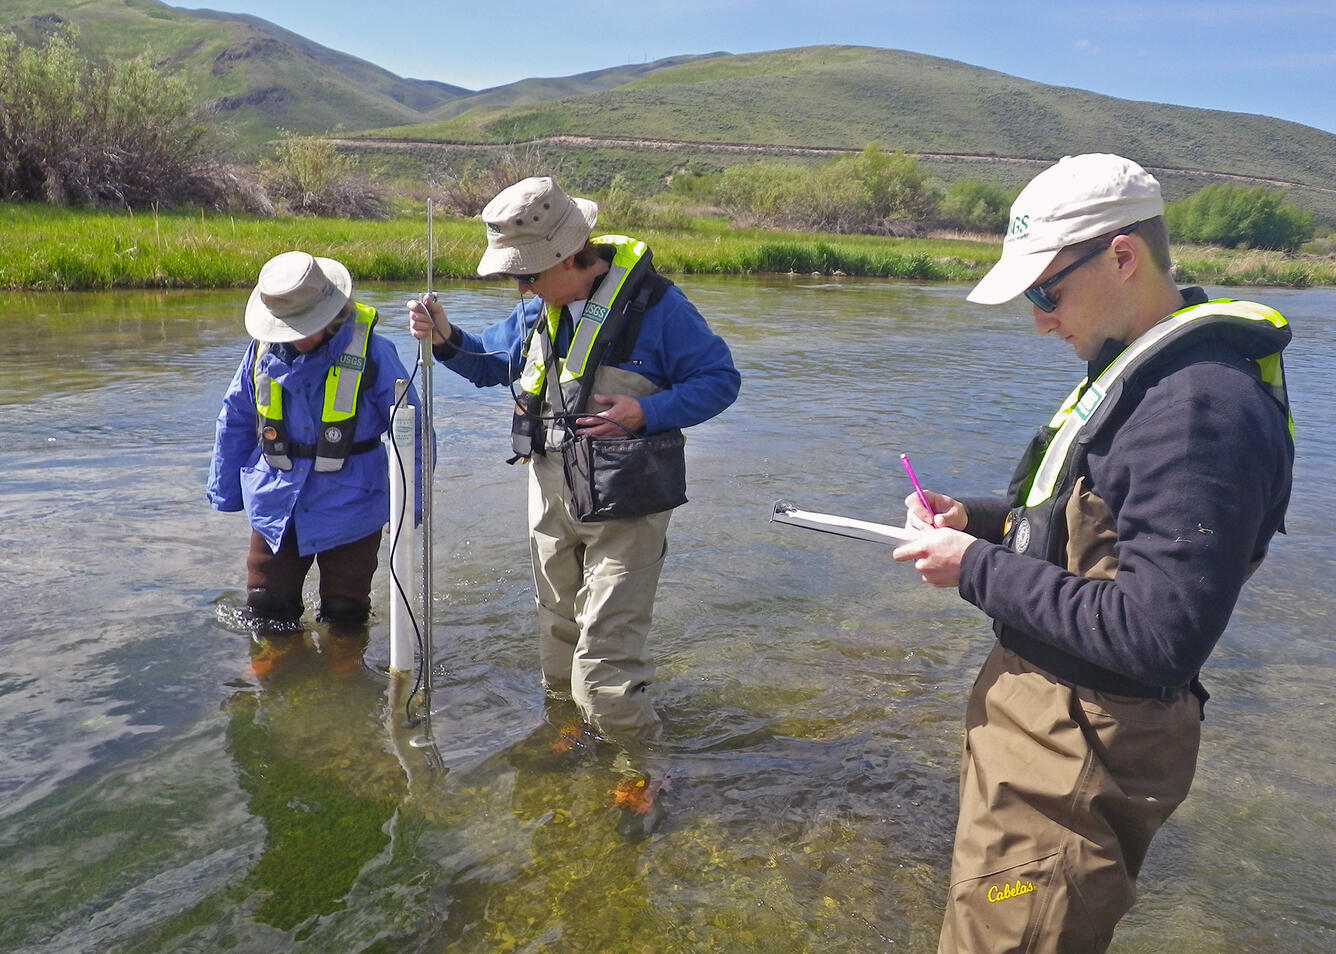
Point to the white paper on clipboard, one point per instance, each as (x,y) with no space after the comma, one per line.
(785,512)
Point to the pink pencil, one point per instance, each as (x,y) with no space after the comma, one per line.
(923,498)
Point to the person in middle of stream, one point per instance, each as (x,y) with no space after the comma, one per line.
(608,362)
(298,443)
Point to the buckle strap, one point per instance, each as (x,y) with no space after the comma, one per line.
(307,451)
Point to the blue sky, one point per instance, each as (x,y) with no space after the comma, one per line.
(1273,58)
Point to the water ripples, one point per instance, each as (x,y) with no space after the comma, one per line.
(172,782)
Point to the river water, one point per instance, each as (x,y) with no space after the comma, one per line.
(167,784)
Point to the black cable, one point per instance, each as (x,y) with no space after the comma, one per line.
(554,418)
(399,404)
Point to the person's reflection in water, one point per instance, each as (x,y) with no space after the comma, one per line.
(314,759)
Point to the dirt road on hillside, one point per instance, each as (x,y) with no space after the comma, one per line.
(774,149)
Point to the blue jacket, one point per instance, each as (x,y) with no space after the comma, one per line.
(676,350)
(330,508)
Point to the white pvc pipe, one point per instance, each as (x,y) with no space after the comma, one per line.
(403,578)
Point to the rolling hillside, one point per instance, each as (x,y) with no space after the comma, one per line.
(529,91)
(258,78)
(699,111)
(253,76)
(963,117)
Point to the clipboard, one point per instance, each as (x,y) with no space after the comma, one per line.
(785,512)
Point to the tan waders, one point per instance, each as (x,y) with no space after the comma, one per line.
(595,586)
(1061,790)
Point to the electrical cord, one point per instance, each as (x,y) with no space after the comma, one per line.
(399,404)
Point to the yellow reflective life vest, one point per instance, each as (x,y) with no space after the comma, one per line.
(338,415)
(597,327)
(1045,477)
(609,315)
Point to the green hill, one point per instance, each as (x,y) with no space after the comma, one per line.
(963,119)
(528,91)
(700,111)
(253,76)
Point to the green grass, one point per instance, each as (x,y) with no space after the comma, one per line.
(49,249)
(62,249)
(1214,266)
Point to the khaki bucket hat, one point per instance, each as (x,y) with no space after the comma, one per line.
(532,225)
(296,296)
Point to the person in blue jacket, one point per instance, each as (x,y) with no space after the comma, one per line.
(298,442)
(608,355)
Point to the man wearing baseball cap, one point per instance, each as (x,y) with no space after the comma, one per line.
(298,442)
(608,363)
(1111,568)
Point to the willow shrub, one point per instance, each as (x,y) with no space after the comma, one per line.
(73,131)
(308,176)
(972,205)
(1235,216)
(872,193)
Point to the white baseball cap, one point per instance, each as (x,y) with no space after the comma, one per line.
(1077,198)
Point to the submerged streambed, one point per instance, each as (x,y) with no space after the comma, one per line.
(167,784)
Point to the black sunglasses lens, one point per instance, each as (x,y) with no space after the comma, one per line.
(1039,295)
(1040,299)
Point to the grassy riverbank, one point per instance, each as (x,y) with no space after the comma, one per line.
(47,249)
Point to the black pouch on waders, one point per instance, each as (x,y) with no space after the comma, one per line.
(612,478)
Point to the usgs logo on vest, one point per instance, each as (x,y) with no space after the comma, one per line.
(1023,535)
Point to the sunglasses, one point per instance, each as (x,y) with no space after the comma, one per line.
(525,279)
(1041,295)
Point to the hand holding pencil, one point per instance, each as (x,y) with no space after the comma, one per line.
(936,556)
(926,509)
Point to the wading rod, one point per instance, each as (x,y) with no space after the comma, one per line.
(425,482)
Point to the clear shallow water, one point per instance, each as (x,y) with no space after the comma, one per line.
(160,790)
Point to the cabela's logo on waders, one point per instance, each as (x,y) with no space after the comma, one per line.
(1005,892)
